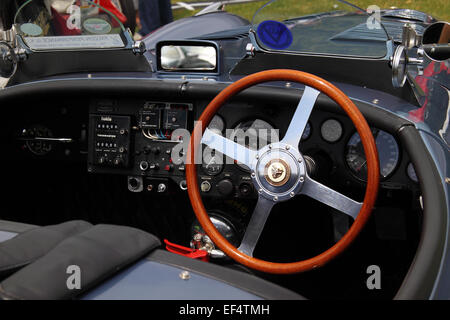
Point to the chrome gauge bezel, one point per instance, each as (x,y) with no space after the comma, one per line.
(211,173)
(382,176)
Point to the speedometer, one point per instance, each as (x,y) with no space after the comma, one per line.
(254,134)
(388,153)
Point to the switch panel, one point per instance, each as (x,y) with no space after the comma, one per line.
(176,116)
(109,141)
(134,138)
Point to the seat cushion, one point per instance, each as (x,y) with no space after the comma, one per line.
(10,229)
(95,254)
(28,243)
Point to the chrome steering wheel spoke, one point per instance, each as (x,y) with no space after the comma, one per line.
(229,148)
(279,172)
(331,197)
(256,225)
(301,117)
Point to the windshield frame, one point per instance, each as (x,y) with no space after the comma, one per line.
(258,46)
(124,36)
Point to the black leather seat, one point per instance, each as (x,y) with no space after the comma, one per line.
(9,229)
(22,244)
(115,262)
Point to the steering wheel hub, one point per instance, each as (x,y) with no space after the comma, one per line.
(279,172)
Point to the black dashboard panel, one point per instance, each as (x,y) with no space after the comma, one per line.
(146,140)
(50,130)
(143,139)
(135,138)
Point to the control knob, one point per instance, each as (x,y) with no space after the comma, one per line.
(225,187)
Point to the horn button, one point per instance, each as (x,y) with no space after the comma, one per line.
(279,172)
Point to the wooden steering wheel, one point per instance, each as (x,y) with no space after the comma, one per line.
(279,173)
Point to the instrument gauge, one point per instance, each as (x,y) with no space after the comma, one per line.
(213,164)
(217,124)
(254,134)
(37,143)
(331,130)
(388,153)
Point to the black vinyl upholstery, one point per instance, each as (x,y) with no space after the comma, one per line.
(29,243)
(40,258)
(98,252)
(10,229)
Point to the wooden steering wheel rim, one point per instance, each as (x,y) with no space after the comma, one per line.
(369,148)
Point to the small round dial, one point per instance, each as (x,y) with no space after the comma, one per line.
(35,145)
(388,154)
(331,130)
(212,160)
(212,164)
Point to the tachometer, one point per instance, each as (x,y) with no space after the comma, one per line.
(254,135)
(388,153)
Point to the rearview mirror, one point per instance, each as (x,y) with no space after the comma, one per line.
(187,56)
(436,40)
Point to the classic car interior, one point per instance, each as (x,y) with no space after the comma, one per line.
(86,156)
(112,150)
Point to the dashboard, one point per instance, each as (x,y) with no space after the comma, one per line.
(145,140)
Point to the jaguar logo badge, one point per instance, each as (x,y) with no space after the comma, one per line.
(277,172)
